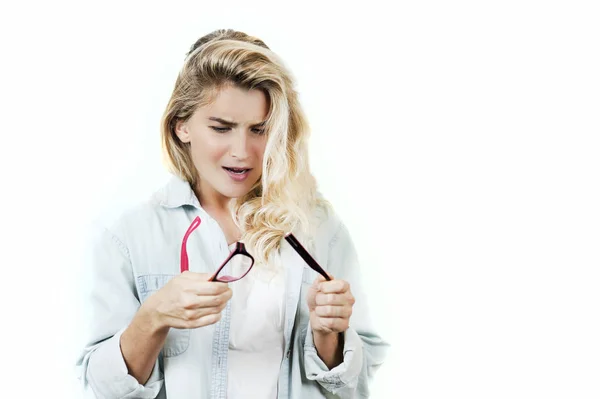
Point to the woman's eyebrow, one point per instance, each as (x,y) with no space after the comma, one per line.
(234,124)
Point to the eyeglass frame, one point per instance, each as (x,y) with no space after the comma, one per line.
(239,249)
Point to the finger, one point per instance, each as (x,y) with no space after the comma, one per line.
(320,278)
(215,300)
(195,314)
(195,276)
(209,288)
(334,286)
(195,301)
(334,299)
(199,284)
(334,323)
(203,321)
(334,311)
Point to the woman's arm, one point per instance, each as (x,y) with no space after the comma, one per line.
(330,348)
(125,339)
(187,301)
(363,349)
(110,307)
(141,343)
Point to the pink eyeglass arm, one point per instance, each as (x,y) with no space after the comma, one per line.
(185,263)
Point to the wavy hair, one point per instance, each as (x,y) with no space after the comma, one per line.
(285,198)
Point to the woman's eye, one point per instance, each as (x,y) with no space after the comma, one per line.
(220,129)
(258,131)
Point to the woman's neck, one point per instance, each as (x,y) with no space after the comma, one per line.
(212,201)
(217,206)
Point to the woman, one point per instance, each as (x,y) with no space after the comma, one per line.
(235,139)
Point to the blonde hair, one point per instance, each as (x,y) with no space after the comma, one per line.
(285,198)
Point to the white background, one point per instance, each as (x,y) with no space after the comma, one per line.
(458,140)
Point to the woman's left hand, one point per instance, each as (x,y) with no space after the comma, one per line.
(330,305)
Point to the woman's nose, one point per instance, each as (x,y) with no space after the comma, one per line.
(238,146)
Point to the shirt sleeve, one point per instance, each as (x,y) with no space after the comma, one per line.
(110,305)
(364,350)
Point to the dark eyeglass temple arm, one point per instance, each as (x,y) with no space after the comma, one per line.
(305,255)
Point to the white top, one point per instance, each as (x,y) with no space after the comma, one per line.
(256,336)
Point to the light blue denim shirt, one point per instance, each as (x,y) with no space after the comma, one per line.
(138,253)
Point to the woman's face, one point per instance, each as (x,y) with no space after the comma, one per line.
(227,141)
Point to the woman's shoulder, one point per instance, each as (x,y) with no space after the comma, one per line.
(327,220)
(132,215)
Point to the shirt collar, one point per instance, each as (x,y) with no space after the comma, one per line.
(176,193)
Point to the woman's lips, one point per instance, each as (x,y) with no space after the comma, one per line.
(238,177)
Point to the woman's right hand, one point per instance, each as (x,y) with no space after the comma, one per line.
(188,300)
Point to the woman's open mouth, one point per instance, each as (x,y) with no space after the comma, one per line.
(237,174)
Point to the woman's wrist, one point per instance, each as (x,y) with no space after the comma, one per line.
(141,342)
(330,347)
(148,320)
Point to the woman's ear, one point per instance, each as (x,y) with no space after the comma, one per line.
(181,130)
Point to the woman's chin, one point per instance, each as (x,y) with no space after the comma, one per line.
(235,191)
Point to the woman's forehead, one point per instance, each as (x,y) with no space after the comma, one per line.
(237,105)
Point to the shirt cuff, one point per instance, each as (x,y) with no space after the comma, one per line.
(109,378)
(344,375)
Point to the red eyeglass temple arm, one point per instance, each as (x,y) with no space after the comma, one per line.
(305,255)
(185,263)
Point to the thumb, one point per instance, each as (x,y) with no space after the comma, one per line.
(320,279)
